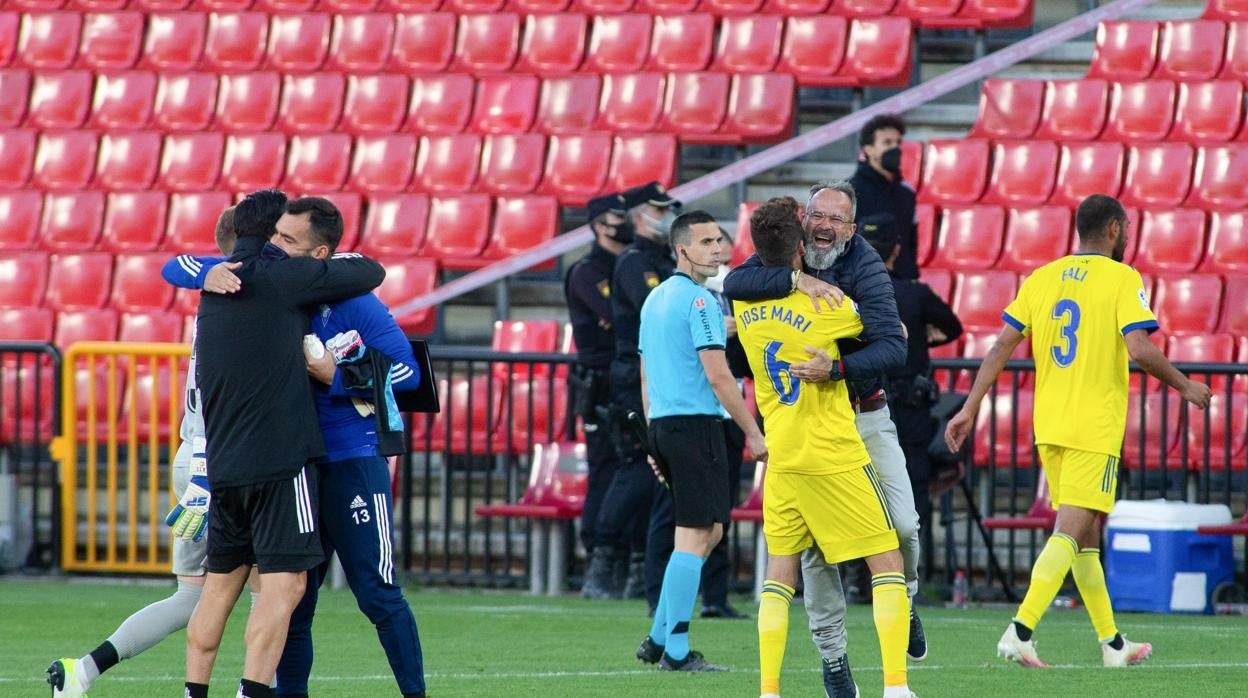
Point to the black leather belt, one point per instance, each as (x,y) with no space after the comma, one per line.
(871,404)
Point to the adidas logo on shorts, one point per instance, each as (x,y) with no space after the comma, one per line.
(357,502)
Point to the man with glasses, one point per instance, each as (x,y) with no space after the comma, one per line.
(837,262)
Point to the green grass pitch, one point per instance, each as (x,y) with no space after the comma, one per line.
(481,643)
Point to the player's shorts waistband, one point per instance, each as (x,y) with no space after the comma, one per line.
(876,401)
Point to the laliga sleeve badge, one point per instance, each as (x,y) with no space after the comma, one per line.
(1144,301)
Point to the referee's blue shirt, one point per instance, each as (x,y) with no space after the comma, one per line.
(679,320)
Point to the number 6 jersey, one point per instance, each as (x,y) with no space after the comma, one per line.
(810,426)
(1077,310)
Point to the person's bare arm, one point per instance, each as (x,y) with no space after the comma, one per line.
(989,369)
(715,364)
(1150,358)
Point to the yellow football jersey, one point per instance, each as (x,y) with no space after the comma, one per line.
(1076,311)
(810,426)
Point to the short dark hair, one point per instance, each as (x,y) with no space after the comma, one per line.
(224,234)
(776,231)
(257,214)
(682,227)
(324,219)
(878,123)
(1094,215)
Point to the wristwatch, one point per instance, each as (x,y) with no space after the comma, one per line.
(837,372)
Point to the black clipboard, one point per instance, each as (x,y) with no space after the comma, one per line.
(424,398)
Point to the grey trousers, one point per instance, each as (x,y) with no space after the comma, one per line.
(825,599)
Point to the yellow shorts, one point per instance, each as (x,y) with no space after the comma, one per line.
(1080,478)
(845,514)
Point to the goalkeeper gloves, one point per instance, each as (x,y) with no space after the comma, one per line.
(189,517)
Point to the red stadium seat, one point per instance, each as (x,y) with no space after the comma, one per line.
(23,325)
(253,161)
(548,403)
(318,162)
(65,161)
(150,327)
(878,52)
(23,279)
(505,104)
(1203,349)
(667,7)
(1188,303)
(458,227)
(553,44)
(1170,241)
(486,43)
(760,109)
(954,172)
(311,103)
(980,297)
(1236,65)
(138,286)
(863,8)
(567,104)
(601,7)
(618,44)
(395,225)
(175,41)
(59,100)
(192,220)
(468,7)
(1003,429)
(1221,177)
(473,408)
(423,43)
(1125,50)
(1208,111)
(185,102)
(235,42)
(681,43)
(110,40)
(985,14)
(71,221)
(8,36)
(970,238)
(283,7)
(20,211)
(924,11)
(789,8)
(1191,50)
(375,103)
(347,7)
(48,41)
(925,225)
(382,163)
(912,161)
(17,158)
(695,105)
(1074,110)
(631,103)
(16,83)
(814,49)
(1158,175)
(134,221)
(512,163)
(1228,244)
(725,8)
(748,44)
(72,326)
(1152,434)
(1228,10)
(1225,434)
(1009,109)
(407,278)
(127,161)
(297,43)
(186,302)
(248,102)
(1085,169)
(1035,236)
(642,158)
(361,43)
(447,164)
(521,223)
(536,7)
(1140,111)
(190,161)
(123,100)
(409,6)
(743,246)
(1235,313)
(940,281)
(1022,173)
(440,104)
(79,281)
(576,167)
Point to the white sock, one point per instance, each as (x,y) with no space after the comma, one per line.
(90,672)
(896,692)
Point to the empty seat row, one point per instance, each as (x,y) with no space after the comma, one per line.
(704,107)
(1183,50)
(1029,173)
(1089,109)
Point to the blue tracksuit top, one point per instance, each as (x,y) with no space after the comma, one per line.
(346,433)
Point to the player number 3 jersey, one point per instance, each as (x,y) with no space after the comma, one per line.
(1077,310)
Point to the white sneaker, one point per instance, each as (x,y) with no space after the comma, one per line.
(65,675)
(770,695)
(899,692)
(1132,653)
(1015,650)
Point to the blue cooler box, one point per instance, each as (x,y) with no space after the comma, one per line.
(1156,560)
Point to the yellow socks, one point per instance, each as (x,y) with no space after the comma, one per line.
(1090,579)
(890,606)
(773,631)
(1047,576)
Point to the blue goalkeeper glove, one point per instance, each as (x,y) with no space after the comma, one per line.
(189,517)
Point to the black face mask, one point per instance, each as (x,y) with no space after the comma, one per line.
(891,160)
(624,232)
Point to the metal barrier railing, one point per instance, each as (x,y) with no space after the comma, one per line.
(30,382)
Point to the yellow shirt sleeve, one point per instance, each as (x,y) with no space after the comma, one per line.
(1132,305)
(1018,313)
(845,322)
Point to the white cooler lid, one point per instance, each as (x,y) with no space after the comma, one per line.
(1162,515)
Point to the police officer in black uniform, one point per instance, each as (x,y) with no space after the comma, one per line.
(880,188)
(929,322)
(588,291)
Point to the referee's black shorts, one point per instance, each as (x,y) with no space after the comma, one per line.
(272,525)
(693,449)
